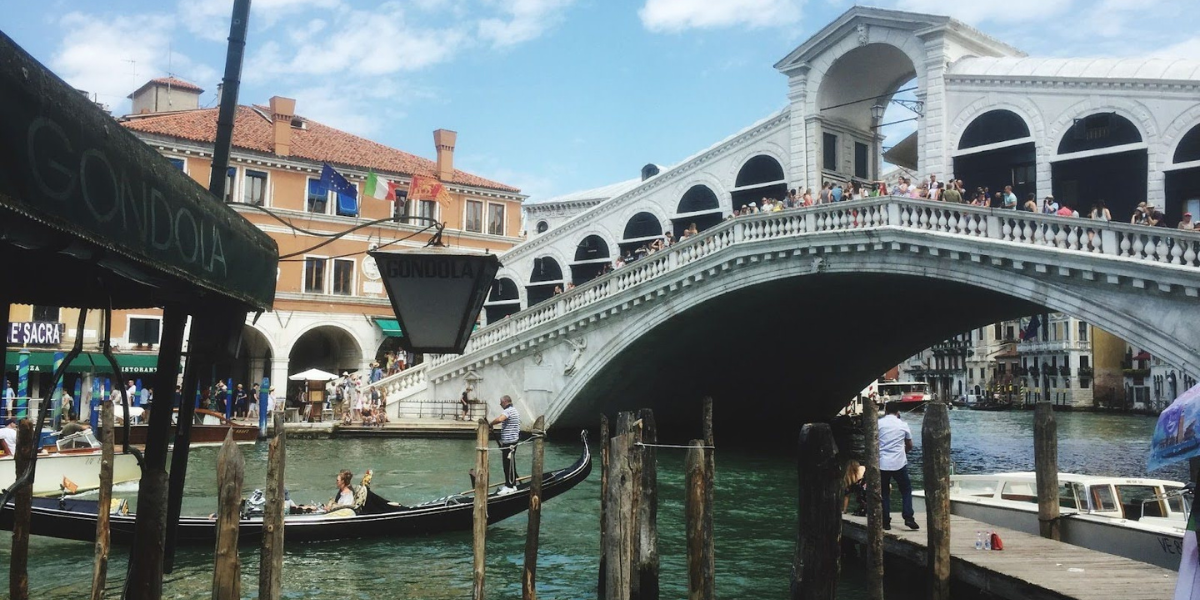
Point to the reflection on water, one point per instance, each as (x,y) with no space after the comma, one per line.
(754,512)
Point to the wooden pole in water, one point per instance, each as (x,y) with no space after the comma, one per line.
(1045,460)
(18,575)
(706,432)
(647,520)
(270,560)
(529,577)
(480,514)
(870,419)
(100,568)
(699,530)
(619,539)
(935,439)
(227,569)
(605,444)
(818,543)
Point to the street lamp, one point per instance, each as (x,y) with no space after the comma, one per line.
(436,293)
(877,112)
(916,106)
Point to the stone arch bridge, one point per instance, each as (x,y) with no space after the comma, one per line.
(784,316)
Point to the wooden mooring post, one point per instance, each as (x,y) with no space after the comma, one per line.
(529,576)
(647,505)
(605,445)
(270,560)
(935,442)
(479,529)
(698,487)
(874,562)
(100,567)
(227,569)
(710,469)
(18,574)
(817,563)
(1045,461)
(619,539)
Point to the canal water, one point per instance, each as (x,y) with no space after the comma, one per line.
(755,515)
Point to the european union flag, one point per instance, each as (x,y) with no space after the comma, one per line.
(347,193)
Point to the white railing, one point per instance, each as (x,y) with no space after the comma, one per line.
(1085,236)
(1053,346)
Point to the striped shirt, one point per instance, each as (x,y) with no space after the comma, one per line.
(510,428)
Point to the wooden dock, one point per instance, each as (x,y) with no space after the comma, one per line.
(1029,567)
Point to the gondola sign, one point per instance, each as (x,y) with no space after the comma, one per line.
(437,294)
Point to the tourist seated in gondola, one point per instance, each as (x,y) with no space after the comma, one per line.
(347,496)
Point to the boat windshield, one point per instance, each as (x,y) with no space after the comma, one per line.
(1141,501)
(1176,500)
(77,440)
(983,488)
(1103,499)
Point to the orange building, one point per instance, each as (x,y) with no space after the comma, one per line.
(331,311)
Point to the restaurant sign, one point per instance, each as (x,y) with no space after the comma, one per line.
(35,333)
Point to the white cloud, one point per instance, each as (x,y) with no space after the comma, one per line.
(360,109)
(677,15)
(1188,48)
(111,58)
(523,20)
(210,19)
(995,11)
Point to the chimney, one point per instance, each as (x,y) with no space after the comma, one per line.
(443,140)
(282,111)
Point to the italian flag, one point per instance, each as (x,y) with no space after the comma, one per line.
(379,188)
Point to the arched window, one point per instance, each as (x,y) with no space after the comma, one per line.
(542,226)
(758,170)
(761,177)
(642,228)
(993,127)
(546,275)
(591,258)
(698,198)
(1103,130)
(698,205)
(1189,146)
(504,300)
(649,171)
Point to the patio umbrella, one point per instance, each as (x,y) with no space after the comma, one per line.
(313,375)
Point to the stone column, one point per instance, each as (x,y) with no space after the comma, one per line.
(798,173)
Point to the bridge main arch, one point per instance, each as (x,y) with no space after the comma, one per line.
(792,339)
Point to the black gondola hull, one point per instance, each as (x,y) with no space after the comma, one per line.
(76,519)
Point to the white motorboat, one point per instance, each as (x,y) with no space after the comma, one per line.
(1142,519)
(77,458)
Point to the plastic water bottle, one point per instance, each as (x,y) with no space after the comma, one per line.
(979,540)
(987,540)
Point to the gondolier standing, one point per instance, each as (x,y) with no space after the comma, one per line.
(510,432)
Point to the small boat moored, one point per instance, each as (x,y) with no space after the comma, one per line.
(76,457)
(1141,519)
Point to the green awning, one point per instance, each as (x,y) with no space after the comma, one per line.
(389,327)
(41,361)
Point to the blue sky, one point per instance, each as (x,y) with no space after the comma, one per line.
(548,95)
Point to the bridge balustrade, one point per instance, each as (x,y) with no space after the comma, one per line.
(1077,235)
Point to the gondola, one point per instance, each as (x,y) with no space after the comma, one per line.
(72,519)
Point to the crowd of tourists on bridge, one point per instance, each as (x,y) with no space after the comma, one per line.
(953,190)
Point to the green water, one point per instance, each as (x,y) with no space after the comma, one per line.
(754,516)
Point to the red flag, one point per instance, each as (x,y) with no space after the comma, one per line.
(427,188)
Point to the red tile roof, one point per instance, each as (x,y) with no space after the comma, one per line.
(253,130)
(178,84)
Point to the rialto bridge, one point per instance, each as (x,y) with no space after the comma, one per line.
(786,315)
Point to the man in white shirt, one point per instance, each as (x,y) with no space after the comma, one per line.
(8,438)
(895,440)
(131,391)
